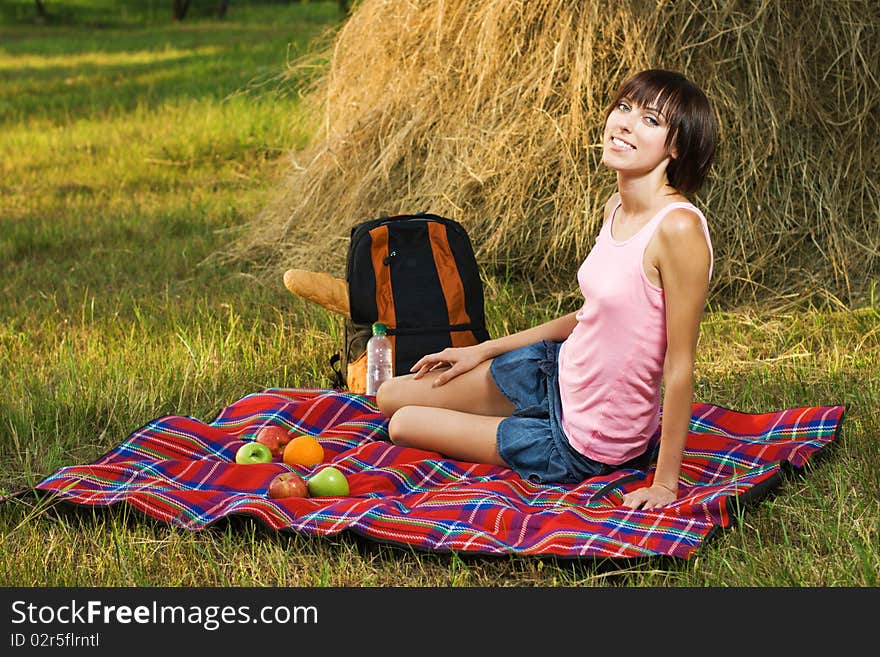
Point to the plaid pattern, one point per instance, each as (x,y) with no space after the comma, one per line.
(182,471)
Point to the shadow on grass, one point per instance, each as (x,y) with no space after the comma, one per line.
(77,72)
(382,559)
(134,14)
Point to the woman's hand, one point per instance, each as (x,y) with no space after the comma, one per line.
(650,497)
(458,360)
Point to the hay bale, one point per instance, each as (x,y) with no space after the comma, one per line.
(490,112)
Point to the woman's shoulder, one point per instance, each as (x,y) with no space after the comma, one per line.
(682,234)
(682,214)
(682,221)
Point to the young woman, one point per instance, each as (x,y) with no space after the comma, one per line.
(580,395)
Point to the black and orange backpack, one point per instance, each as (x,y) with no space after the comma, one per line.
(418,275)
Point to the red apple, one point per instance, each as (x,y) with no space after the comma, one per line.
(274,437)
(288,484)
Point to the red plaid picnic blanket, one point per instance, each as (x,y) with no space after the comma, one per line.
(182,471)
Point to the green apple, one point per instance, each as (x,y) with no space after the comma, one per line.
(328,482)
(252,452)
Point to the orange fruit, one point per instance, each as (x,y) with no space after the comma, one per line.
(303,450)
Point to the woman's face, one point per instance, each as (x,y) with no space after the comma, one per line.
(634,140)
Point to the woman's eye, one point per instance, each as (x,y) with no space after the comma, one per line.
(651,120)
(623,107)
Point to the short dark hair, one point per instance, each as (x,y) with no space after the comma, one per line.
(692,127)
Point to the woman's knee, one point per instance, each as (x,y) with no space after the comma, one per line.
(391,395)
(400,424)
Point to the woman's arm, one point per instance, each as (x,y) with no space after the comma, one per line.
(459,360)
(556,329)
(684,270)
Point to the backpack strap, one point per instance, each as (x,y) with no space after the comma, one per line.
(337,382)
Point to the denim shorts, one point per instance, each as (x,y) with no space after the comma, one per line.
(532,441)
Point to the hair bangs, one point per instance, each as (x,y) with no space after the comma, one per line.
(656,90)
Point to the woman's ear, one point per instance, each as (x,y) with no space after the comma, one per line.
(673,149)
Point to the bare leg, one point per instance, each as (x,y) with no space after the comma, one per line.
(463,436)
(458,419)
(473,392)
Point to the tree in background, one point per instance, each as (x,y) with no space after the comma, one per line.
(42,16)
(179,8)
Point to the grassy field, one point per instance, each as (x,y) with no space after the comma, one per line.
(132,149)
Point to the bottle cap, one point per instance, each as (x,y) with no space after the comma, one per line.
(379,328)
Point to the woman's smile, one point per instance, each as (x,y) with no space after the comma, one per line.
(619,144)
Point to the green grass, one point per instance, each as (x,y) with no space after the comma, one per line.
(129,154)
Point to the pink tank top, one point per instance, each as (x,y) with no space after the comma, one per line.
(610,367)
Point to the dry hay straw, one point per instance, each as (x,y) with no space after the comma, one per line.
(490,112)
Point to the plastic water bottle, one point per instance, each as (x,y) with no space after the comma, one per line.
(380,365)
